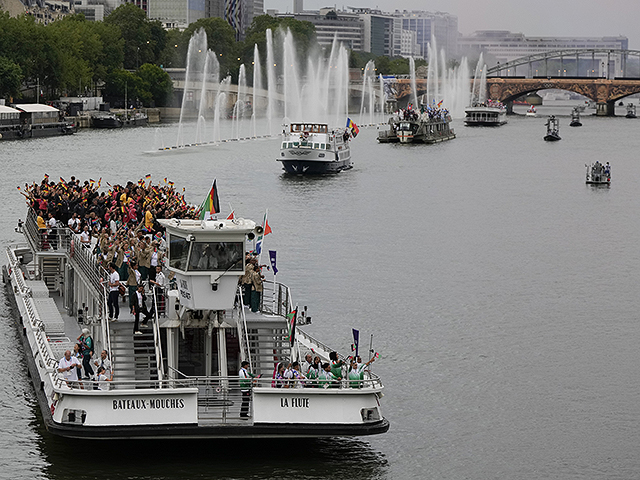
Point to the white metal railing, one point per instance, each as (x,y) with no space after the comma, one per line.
(243,333)
(37,326)
(106,331)
(157,343)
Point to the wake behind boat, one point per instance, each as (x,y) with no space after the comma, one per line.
(314,149)
(176,378)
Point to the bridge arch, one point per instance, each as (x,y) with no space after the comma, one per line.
(601,85)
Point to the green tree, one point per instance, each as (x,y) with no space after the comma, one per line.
(157,82)
(221,39)
(143,39)
(10,78)
(121,83)
(173,55)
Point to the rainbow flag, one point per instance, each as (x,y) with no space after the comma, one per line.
(211,203)
(354,128)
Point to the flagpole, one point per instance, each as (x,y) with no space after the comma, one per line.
(274,293)
(264,225)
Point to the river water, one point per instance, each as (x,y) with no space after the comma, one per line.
(500,290)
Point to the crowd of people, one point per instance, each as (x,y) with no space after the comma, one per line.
(426,113)
(119,226)
(80,369)
(313,373)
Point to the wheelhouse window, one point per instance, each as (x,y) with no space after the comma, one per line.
(178,252)
(208,256)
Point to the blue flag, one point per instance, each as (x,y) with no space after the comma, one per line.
(272,257)
(356,339)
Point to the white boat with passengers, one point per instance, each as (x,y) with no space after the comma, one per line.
(314,149)
(488,114)
(180,379)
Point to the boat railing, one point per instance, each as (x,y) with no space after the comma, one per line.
(157,343)
(66,241)
(36,325)
(106,333)
(58,240)
(370,380)
(243,333)
(276,299)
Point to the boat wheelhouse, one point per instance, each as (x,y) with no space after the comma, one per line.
(312,149)
(598,174)
(488,115)
(177,379)
(31,121)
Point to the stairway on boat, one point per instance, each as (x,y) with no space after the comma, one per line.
(268,339)
(133,356)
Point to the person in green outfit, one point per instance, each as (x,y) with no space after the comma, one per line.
(356,372)
(336,364)
(246,379)
(327,378)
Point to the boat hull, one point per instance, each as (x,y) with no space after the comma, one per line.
(314,167)
(39,131)
(263,406)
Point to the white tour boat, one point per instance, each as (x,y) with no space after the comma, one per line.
(313,149)
(489,114)
(179,380)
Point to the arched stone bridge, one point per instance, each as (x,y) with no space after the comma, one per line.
(601,90)
(598,74)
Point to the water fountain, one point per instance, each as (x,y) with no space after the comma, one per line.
(449,85)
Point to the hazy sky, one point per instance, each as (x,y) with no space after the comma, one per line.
(583,18)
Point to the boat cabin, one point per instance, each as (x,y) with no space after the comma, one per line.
(38,114)
(207,258)
(314,136)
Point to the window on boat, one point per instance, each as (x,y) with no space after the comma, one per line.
(284,145)
(316,145)
(208,256)
(178,252)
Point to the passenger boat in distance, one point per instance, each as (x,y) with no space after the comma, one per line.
(177,379)
(488,114)
(314,149)
(631,110)
(431,125)
(33,120)
(531,112)
(575,118)
(553,128)
(113,120)
(598,174)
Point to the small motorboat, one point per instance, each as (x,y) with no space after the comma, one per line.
(575,118)
(631,111)
(598,174)
(553,127)
(531,112)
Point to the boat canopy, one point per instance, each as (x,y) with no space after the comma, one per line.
(309,128)
(36,108)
